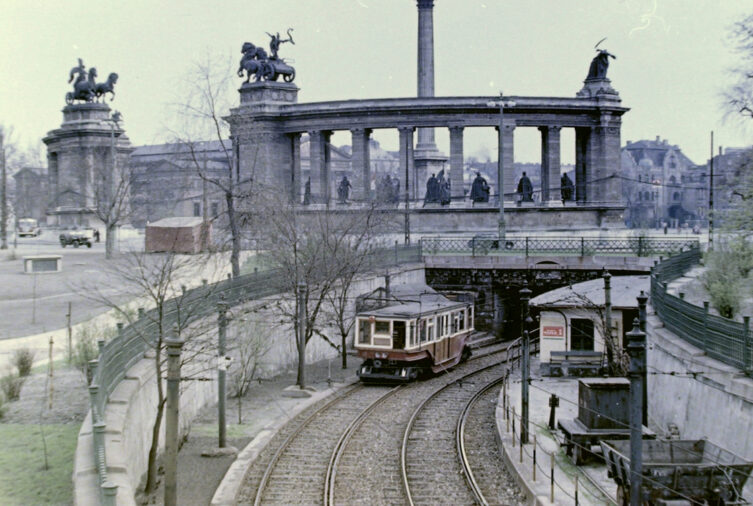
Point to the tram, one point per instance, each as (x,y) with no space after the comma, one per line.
(412,336)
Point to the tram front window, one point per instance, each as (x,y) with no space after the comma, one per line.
(398,335)
(364,331)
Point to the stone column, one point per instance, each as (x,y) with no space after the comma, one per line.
(550,163)
(295,168)
(506,162)
(407,172)
(361,163)
(456,162)
(327,165)
(582,142)
(425,66)
(317,168)
(605,171)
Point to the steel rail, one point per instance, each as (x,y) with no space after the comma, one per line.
(329,483)
(276,457)
(420,407)
(460,441)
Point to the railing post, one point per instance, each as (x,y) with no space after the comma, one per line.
(640,246)
(582,247)
(705,326)
(746,344)
(141,313)
(92,370)
(473,247)
(172,408)
(526,246)
(119,325)
(110,493)
(93,401)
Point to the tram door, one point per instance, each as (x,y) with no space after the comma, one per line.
(398,335)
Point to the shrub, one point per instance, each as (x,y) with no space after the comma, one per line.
(11,386)
(725,271)
(23,359)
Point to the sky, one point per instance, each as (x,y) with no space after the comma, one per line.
(673,59)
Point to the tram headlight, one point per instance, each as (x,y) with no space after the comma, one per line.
(403,372)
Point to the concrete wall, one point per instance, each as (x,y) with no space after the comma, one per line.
(130,411)
(716,404)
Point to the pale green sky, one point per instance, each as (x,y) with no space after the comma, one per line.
(670,69)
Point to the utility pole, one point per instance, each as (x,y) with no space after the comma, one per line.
(711,195)
(70,334)
(642,299)
(172,405)
(525,297)
(222,370)
(501,225)
(608,319)
(301,292)
(637,351)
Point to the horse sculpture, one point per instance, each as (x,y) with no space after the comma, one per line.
(83,89)
(252,61)
(107,87)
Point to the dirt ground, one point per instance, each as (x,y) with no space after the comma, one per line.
(70,399)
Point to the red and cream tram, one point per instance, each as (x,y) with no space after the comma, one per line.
(405,339)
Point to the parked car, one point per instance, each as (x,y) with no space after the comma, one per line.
(28,227)
(76,238)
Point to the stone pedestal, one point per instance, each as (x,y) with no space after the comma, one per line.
(598,88)
(268,92)
(81,157)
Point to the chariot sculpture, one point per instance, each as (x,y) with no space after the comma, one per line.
(263,67)
(85,87)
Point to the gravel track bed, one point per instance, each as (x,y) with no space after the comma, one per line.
(298,476)
(369,468)
(483,455)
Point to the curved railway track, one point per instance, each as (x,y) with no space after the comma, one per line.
(347,449)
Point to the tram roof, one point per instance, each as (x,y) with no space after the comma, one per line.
(412,301)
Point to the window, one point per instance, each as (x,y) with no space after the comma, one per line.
(581,334)
(382,327)
(364,331)
(412,334)
(461,321)
(454,322)
(422,331)
(470,317)
(431,329)
(196,209)
(215,209)
(398,335)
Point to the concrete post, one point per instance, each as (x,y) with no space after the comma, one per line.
(221,370)
(637,351)
(525,297)
(456,162)
(296,186)
(642,315)
(172,416)
(361,163)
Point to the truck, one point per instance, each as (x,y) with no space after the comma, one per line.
(28,227)
(76,238)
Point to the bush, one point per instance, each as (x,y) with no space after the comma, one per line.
(11,386)
(725,270)
(85,346)
(23,359)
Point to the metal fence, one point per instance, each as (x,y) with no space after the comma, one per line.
(720,338)
(132,342)
(560,246)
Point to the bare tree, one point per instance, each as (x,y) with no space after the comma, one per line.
(739,96)
(209,89)
(323,252)
(157,282)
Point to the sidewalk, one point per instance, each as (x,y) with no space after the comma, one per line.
(520,462)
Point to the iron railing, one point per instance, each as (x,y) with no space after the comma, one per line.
(720,338)
(559,246)
(119,354)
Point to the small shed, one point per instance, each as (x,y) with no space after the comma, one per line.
(178,235)
(571,318)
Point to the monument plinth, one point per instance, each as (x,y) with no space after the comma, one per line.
(268,92)
(598,88)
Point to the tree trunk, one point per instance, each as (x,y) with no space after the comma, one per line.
(234,234)
(344,351)
(110,240)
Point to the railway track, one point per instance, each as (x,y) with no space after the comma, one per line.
(347,450)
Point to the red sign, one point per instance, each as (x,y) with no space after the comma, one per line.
(553,332)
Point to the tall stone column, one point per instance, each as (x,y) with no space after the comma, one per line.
(317,167)
(582,155)
(361,163)
(550,163)
(605,144)
(327,166)
(428,159)
(407,170)
(506,162)
(295,168)
(456,162)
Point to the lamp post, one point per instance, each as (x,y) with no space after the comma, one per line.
(501,103)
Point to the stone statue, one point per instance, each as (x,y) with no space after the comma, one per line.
(479,189)
(85,87)
(307,192)
(432,190)
(443,189)
(343,190)
(599,65)
(566,188)
(274,43)
(525,189)
(266,68)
